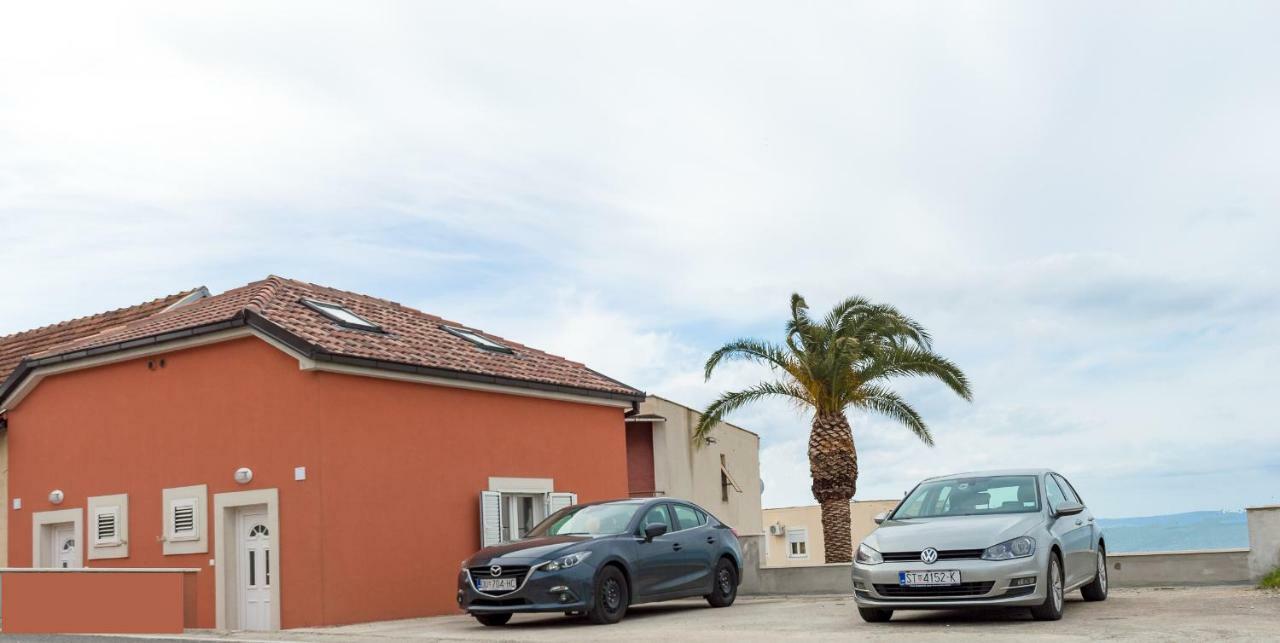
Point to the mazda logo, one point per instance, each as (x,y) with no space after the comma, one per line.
(929,556)
(496,570)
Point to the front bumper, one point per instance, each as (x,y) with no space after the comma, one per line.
(565,590)
(1000,575)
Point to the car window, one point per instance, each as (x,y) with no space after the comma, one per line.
(656,516)
(686,516)
(1053,492)
(588,520)
(1068,489)
(970,497)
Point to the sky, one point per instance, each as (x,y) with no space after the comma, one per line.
(1080,200)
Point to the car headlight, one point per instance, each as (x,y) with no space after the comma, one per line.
(565,562)
(1019,547)
(869,556)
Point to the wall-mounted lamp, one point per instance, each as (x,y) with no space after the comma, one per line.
(56,497)
(244,475)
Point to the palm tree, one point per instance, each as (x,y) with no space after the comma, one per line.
(826,367)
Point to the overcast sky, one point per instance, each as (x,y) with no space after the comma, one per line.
(1081,201)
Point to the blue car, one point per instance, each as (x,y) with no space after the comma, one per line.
(599,558)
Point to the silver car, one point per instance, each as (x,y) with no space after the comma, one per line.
(994,538)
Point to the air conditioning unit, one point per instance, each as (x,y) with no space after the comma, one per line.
(777,529)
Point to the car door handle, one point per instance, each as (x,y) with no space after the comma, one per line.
(711,540)
(1090,518)
(1079,522)
(675,546)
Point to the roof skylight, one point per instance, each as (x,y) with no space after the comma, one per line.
(341,315)
(478,339)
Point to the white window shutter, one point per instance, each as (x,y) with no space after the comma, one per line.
(558,501)
(490,518)
(106,526)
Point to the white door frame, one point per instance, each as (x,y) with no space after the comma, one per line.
(41,525)
(225,569)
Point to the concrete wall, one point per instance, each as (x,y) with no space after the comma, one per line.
(1264,540)
(809,518)
(1205,567)
(683,471)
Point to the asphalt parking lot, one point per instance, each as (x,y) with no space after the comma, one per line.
(1184,613)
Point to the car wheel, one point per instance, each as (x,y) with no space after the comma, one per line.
(493,620)
(611,597)
(875,615)
(1051,608)
(725,589)
(1097,590)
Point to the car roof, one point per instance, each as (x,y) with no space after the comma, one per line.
(994,472)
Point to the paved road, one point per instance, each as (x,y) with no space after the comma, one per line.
(1204,613)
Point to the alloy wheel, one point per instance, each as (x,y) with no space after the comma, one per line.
(1102,570)
(612,594)
(1055,577)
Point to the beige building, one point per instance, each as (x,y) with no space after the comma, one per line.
(722,474)
(793,535)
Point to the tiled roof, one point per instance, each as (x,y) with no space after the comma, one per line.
(30,342)
(411,338)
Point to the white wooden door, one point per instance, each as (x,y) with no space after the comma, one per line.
(254,558)
(64,545)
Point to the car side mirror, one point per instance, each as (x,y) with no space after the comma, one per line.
(1068,509)
(653,531)
(880,517)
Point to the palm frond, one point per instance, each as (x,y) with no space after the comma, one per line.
(890,404)
(751,350)
(906,361)
(734,400)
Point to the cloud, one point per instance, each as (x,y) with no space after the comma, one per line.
(1080,206)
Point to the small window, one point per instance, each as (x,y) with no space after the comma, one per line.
(106,526)
(798,543)
(183,518)
(656,516)
(478,339)
(686,516)
(341,315)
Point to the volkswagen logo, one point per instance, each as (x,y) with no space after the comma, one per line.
(496,570)
(929,556)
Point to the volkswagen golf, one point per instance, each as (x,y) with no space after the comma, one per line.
(597,559)
(1003,538)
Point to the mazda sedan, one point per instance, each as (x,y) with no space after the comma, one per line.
(1002,538)
(598,559)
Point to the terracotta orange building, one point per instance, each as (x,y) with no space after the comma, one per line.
(320,456)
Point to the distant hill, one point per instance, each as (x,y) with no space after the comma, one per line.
(1176,532)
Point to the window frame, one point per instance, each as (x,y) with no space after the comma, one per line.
(1068,487)
(1048,501)
(803,541)
(476,338)
(675,519)
(323,307)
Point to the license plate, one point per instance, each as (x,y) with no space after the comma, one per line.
(496,584)
(929,578)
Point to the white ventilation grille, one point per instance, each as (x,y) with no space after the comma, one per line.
(107,527)
(184,520)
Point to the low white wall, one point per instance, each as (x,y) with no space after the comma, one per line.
(1264,540)
(1204,567)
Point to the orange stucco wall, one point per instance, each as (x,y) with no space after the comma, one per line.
(108,602)
(394,469)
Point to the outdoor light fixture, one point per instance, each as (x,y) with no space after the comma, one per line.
(56,497)
(244,475)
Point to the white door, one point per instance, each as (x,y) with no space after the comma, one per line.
(254,558)
(63,545)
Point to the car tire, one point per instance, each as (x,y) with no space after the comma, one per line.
(875,614)
(611,597)
(724,584)
(1051,608)
(493,620)
(1097,590)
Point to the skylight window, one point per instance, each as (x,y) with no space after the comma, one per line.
(341,315)
(478,339)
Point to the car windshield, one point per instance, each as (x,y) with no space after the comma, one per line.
(971,497)
(588,520)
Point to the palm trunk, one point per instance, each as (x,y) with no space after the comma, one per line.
(833,463)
